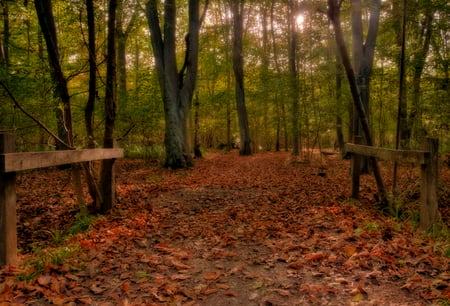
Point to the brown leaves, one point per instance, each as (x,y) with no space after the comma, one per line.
(232,230)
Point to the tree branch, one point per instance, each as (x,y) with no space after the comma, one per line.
(39,123)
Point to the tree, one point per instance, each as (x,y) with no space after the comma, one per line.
(363,55)
(177,86)
(293,77)
(237,9)
(334,15)
(61,93)
(4,43)
(123,31)
(107,181)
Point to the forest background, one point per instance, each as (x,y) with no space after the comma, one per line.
(282,40)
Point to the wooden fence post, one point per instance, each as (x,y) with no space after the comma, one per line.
(428,185)
(356,169)
(8,218)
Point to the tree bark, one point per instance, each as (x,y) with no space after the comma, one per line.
(177,87)
(6,34)
(334,15)
(107,181)
(91,177)
(363,54)
(293,78)
(237,8)
(62,108)
(122,34)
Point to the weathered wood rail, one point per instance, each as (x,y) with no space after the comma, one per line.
(11,163)
(427,159)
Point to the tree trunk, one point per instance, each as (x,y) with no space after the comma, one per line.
(122,34)
(281,104)
(177,87)
(334,15)
(61,93)
(197,151)
(62,108)
(363,54)
(4,44)
(293,78)
(237,8)
(107,181)
(415,125)
(91,177)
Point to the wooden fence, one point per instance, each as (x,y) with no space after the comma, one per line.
(427,158)
(11,162)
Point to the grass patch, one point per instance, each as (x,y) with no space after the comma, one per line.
(42,258)
(153,152)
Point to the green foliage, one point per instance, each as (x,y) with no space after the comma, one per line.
(41,258)
(153,152)
(81,224)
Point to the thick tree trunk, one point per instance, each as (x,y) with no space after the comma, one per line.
(237,8)
(177,87)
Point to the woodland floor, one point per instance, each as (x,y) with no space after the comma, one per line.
(258,230)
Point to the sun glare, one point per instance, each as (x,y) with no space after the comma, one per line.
(300,19)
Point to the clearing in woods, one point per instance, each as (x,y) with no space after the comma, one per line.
(257,230)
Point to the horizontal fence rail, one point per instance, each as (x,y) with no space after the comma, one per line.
(12,162)
(427,158)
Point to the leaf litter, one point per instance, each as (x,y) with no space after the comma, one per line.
(258,230)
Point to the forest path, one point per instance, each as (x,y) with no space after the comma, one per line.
(257,230)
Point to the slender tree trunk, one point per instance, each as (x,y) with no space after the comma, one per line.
(293,78)
(107,175)
(91,177)
(237,8)
(363,54)
(61,93)
(122,35)
(415,124)
(6,34)
(282,115)
(62,108)
(334,15)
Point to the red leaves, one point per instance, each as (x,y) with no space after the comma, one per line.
(233,230)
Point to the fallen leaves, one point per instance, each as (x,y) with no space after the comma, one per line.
(232,229)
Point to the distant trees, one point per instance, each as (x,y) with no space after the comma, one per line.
(286,66)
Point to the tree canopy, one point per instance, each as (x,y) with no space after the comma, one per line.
(290,72)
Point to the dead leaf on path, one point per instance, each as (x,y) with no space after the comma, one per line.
(179,265)
(223,286)
(296,265)
(236,269)
(282,292)
(315,256)
(212,275)
(96,289)
(44,279)
(209,291)
(180,277)
(230,293)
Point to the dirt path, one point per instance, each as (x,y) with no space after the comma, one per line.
(259,230)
